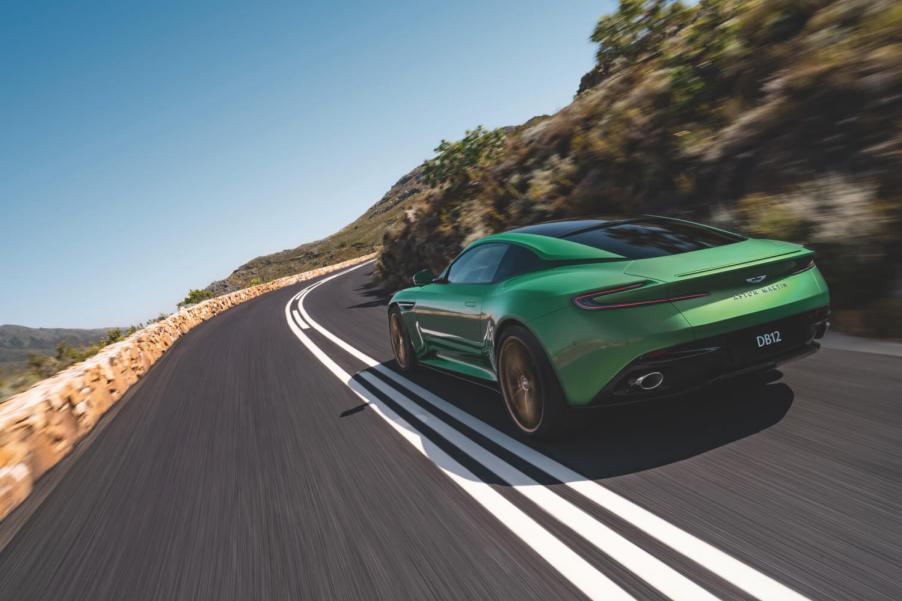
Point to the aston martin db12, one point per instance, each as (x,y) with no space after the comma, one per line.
(592,313)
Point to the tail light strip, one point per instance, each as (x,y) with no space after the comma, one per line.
(586,301)
(644,302)
(805,267)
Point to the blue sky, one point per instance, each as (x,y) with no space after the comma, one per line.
(148,148)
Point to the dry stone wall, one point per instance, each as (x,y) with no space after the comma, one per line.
(40,426)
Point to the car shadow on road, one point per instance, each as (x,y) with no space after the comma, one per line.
(617,441)
(632,439)
(375,293)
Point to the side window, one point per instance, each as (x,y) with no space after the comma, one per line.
(517,261)
(477,266)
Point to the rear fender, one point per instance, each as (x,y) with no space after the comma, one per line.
(587,349)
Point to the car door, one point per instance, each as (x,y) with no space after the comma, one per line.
(449,315)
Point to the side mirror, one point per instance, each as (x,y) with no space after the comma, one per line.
(423,277)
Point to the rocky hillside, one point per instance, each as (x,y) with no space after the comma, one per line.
(359,238)
(780,118)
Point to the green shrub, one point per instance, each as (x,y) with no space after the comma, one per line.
(195,296)
(637,29)
(113,335)
(455,160)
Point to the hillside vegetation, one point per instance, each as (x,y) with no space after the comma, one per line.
(362,236)
(28,355)
(17,342)
(779,118)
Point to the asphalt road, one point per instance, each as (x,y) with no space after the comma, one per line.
(274,455)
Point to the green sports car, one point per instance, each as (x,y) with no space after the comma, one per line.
(592,312)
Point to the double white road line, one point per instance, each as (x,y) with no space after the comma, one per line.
(572,566)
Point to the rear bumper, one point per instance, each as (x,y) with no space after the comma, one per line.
(691,366)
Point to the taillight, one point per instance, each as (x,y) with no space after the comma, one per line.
(802,265)
(587,300)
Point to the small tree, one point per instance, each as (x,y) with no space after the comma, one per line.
(195,296)
(112,336)
(65,353)
(637,29)
(454,160)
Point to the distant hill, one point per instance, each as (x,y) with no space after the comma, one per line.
(362,236)
(16,342)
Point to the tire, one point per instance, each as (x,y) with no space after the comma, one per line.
(405,356)
(532,394)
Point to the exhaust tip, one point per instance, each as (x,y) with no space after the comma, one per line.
(649,381)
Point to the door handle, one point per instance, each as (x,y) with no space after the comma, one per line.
(469,303)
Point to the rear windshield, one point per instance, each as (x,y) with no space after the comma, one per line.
(644,238)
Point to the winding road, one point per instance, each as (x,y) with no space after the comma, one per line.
(274,453)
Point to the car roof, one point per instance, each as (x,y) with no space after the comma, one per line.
(565,239)
(548,247)
(548,239)
(560,228)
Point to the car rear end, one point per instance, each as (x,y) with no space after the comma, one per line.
(683,314)
(768,306)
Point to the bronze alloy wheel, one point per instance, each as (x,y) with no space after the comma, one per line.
(398,343)
(520,384)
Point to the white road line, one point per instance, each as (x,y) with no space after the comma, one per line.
(727,567)
(300,321)
(646,566)
(574,568)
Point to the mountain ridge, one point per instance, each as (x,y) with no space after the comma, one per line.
(362,236)
(17,342)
